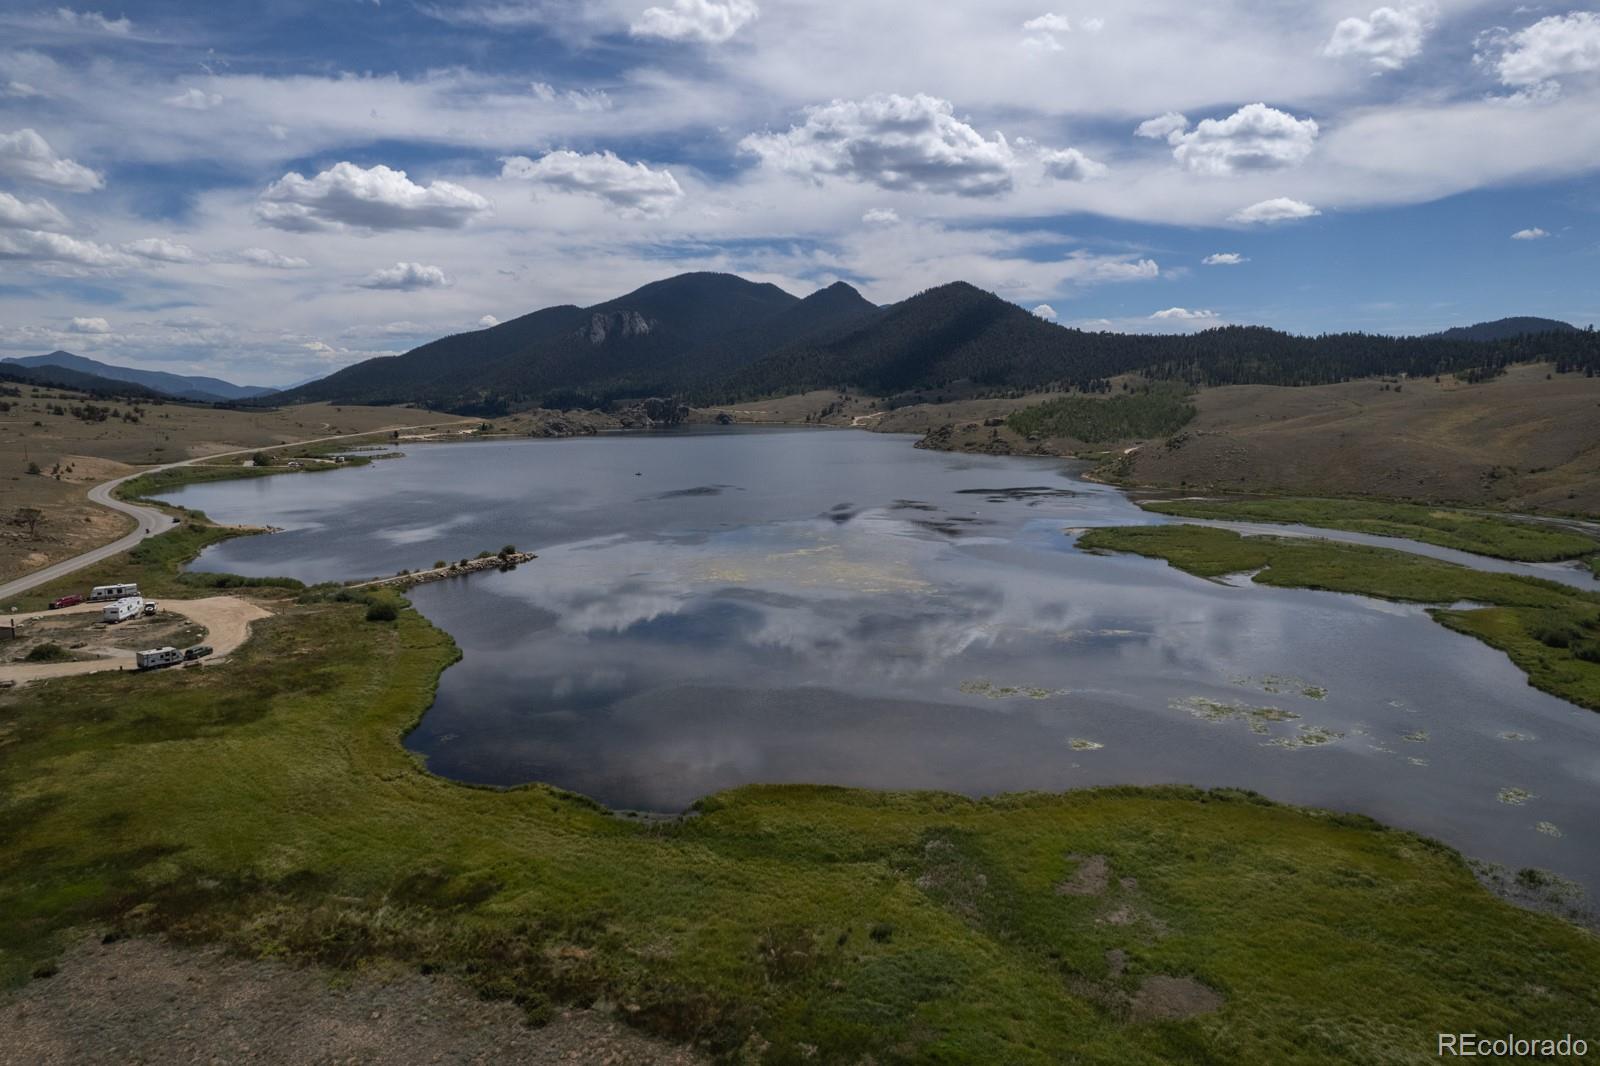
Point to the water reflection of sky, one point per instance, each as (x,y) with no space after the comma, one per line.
(712,610)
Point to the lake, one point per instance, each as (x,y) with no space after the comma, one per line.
(715,608)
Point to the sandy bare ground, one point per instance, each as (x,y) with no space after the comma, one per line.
(142,1001)
(226,619)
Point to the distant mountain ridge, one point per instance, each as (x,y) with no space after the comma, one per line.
(1505,328)
(178,386)
(718,338)
(60,377)
(673,336)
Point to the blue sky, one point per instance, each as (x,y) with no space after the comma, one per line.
(268,191)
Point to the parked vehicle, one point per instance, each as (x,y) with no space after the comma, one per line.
(113,592)
(66,601)
(156,658)
(122,610)
(199,651)
(150,607)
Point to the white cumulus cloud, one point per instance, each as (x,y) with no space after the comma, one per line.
(26,156)
(16,213)
(1388,38)
(903,143)
(1531,234)
(368,198)
(89,325)
(1277,209)
(488,320)
(41,247)
(1162,127)
(1255,137)
(1042,31)
(1046,312)
(880,216)
(163,251)
(196,100)
(631,187)
(710,21)
(406,277)
(266,257)
(1183,314)
(1069,164)
(1224,259)
(1549,49)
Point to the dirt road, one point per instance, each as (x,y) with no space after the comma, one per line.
(152,521)
(226,619)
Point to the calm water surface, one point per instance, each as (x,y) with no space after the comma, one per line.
(717,608)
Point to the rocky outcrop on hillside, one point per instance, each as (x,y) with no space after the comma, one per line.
(652,413)
(606,325)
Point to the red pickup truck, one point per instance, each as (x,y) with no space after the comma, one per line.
(66,601)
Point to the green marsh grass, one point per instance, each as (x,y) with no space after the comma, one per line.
(1485,534)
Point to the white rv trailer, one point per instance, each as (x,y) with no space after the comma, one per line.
(157,657)
(113,592)
(122,610)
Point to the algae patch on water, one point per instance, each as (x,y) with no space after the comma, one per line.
(1259,719)
(1549,829)
(979,686)
(1080,744)
(1516,797)
(1282,684)
(1307,736)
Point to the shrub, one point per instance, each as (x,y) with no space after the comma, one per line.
(47,653)
(381,611)
(511,549)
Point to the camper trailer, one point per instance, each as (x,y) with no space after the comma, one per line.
(122,610)
(157,657)
(112,592)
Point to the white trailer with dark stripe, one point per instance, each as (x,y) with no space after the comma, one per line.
(157,658)
(122,610)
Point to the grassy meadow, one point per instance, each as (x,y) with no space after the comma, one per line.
(268,805)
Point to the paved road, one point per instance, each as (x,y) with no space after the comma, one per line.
(152,521)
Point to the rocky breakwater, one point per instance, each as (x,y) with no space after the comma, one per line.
(506,559)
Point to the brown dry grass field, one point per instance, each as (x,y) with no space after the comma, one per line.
(833,408)
(73,455)
(1526,441)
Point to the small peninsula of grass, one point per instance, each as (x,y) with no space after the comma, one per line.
(310,460)
(269,806)
(1551,631)
(1154,412)
(1485,534)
